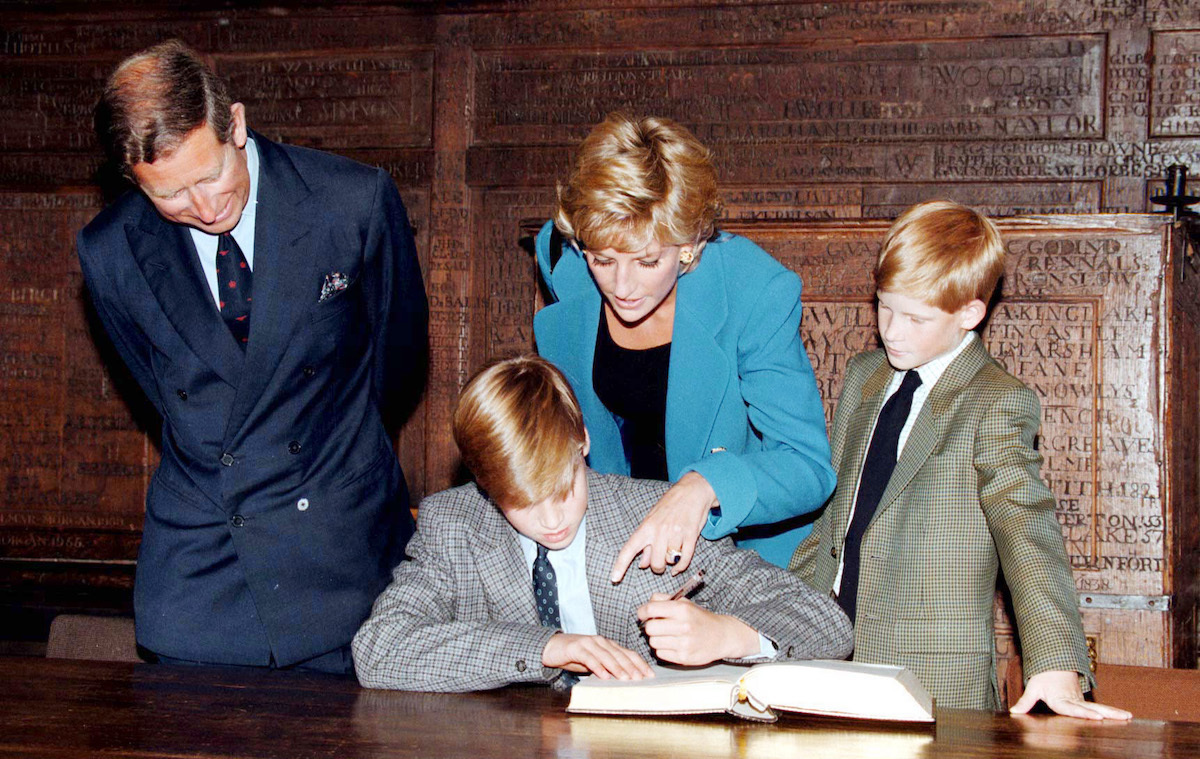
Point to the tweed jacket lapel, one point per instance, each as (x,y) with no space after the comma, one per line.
(857,440)
(930,425)
(502,569)
(167,257)
(282,265)
(608,526)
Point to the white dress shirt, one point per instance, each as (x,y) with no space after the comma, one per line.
(570,574)
(206,244)
(929,373)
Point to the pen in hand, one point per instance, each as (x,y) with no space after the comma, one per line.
(696,581)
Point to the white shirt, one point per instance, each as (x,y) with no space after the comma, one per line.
(570,574)
(206,244)
(929,373)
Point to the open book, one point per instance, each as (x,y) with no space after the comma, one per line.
(831,688)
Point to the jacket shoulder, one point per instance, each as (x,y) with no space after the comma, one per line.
(126,210)
(463,509)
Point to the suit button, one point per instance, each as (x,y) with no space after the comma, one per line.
(309,371)
(237,521)
(520,665)
(227,459)
(302,504)
(791,651)
(293,447)
(833,552)
(182,394)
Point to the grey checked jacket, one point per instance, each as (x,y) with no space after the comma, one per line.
(460,615)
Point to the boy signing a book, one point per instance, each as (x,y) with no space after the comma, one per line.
(509,576)
(939,486)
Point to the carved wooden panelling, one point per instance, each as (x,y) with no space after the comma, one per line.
(814,111)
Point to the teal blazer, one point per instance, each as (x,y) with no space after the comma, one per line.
(742,403)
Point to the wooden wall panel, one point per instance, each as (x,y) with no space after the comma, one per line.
(845,111)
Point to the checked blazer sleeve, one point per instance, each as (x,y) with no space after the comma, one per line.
(435,628)
(1019,509)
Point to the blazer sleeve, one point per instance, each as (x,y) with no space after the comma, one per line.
(790,474)
(803,623)
(397,308)
(120,327)
(1019,509)
(413,640)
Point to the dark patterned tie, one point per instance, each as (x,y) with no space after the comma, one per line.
(235,288)
(876,473)
(545,592)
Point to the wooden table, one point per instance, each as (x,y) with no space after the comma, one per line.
(58,708)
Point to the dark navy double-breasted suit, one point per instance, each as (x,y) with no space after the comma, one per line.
(279,508)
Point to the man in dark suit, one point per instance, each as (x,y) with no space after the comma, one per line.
(268,301)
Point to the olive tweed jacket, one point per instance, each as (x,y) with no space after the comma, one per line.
(965,501)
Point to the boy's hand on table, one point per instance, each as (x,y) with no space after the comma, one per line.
(683,633)
(670,530)
(595,654)
(1060,691)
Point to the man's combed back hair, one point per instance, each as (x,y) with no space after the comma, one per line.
(520,431)
(635,180)
(154,100)
(942,253)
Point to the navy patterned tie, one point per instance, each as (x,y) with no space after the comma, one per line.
(876,473)
(235,288)
(545,593)
(545,590)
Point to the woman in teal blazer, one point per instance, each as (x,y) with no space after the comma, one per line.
(744,430)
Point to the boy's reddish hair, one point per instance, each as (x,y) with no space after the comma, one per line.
(942,253)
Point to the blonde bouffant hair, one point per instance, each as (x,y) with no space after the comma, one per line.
(942,253)
(637,180)
(520,431)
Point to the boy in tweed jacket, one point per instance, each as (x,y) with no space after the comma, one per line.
(939,485)
(463,615)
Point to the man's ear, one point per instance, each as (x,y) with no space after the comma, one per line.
(238,134)
(971,314)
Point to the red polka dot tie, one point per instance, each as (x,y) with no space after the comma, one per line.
(235,288)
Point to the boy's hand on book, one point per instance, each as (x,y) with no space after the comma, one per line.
(595,654)
(1060,691)
(683,633)
(670,529)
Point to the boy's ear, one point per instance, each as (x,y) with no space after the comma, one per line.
(587,444)
(971,314)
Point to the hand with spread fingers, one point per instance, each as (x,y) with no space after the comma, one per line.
(596,654)
(670,530)
(1060,691)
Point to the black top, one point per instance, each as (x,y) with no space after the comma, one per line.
(632,384)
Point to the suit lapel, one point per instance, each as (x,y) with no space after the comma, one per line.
(930,425)
(167,257)
(699,369)
(282,229)
(502,568)
(608,526)
(858,440)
